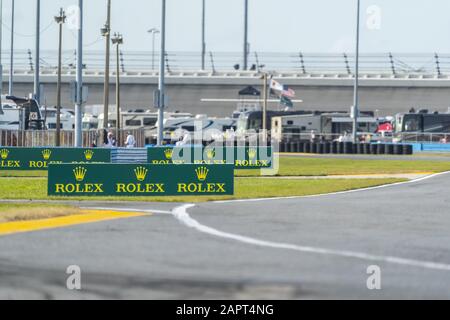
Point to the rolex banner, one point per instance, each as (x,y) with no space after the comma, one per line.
(72,180)
(241,157)
(40,158)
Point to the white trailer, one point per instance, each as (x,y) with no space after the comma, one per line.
(330,124)
(67,118)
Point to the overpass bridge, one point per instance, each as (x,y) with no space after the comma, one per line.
(389,83)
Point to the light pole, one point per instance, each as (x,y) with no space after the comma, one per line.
(11,56)
(245,64)
(162,71)
(265,102)
(106,32)
(60,20)
(117,40)
(154,32)
(79,80)
(355,108)
(37,52)
(203,33)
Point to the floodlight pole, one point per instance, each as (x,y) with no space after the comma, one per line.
(106,32)
(245,58)
(117,40)
(355,110)
(60,20)
(162,70)
(37,53)
(79,80)
(203,33)
(11,56)
(265,102)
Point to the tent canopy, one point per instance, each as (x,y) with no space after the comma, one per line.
(250,91)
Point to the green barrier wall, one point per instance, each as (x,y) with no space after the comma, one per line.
(241,157)
(40,158)
(140,180)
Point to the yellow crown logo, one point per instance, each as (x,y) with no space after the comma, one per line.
(79,173)
(252,153)
(141,173)
(168,153)
(202,173)
(46,154)
(88,154)
(211,153)
(4,154)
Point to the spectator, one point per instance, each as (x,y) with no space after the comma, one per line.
(130,142)
(313,136)
(111,140)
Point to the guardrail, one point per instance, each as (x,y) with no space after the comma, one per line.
(303,63)
(423,138)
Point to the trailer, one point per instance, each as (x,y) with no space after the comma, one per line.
(328,125)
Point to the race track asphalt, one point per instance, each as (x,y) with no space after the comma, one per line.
(298,248)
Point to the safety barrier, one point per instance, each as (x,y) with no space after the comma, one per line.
(19,158)
(129,155)
(346,148)
(431,147)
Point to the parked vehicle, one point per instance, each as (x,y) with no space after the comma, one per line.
(328,125)
(422,122)
(67,118)
(209,126)
(21,114)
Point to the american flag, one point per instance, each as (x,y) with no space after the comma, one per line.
(288,92)
(283,90)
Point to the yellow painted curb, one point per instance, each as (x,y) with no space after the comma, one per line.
(90,216)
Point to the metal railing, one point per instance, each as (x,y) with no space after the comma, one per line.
(304,63)
(443,138)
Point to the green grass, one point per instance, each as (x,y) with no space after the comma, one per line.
(304,166)
(245,188)
(325,167)
(19,174)
(10,212)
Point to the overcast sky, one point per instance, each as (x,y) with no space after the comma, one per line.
(275,25)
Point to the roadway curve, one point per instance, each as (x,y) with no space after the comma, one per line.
(298,248)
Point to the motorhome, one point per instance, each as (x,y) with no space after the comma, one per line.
(89,122)
(327,124)
(20,114)
(67,121)
(422,126)
(133,120)
(209,126)
(422,122)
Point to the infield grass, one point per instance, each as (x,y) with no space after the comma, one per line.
(10,212)
(290,166)
(245,188)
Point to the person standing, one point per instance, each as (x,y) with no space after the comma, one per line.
(130,142)
(111,140)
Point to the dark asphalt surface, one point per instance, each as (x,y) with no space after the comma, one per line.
(158,257)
